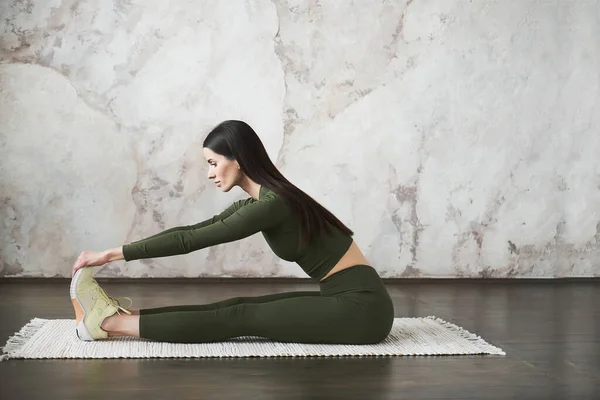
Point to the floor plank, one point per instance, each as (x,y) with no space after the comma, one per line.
(550,331)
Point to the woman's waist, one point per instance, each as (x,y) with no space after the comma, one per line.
(352,257)
(359,278)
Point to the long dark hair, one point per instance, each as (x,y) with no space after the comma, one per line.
(236,140)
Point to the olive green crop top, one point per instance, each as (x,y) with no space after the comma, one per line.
(269,215)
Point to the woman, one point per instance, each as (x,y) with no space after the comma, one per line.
(351,307)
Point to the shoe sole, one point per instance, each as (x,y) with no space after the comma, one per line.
(81,331)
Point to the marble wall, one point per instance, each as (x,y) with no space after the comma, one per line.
(457,138)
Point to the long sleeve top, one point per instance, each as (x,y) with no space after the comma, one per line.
(269,215)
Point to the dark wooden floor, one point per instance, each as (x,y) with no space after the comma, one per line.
(550,332)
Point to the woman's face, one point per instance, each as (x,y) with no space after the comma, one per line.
(223,172)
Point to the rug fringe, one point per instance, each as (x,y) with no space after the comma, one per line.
(16,342)
(488,348)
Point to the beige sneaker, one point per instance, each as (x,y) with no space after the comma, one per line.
(92,305)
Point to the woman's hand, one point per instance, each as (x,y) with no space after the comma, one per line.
(90,259)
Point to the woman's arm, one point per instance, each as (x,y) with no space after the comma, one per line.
(215,218)
(249,219)
(97,258)
(114,254)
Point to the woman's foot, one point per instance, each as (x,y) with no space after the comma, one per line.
(92,305)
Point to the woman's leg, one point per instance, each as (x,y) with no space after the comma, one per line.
(229,302)
(306,319)
(128,325)
(122,325)
(353,307)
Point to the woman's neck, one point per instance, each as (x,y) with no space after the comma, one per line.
(250,187)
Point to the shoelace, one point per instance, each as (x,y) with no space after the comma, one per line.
(111,300)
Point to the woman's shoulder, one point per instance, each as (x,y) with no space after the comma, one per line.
(272,199)
(266,194)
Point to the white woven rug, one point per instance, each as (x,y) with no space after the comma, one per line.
(42,338)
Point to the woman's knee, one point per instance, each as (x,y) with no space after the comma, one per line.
(379,323)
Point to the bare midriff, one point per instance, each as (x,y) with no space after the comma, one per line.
(352,257)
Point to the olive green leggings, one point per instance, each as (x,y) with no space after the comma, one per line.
(351,307)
